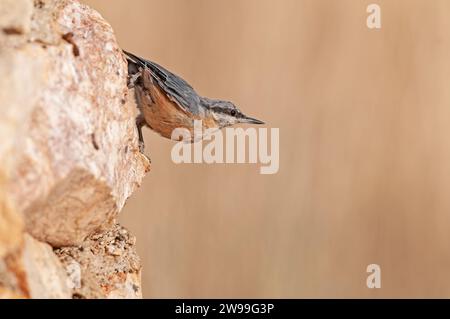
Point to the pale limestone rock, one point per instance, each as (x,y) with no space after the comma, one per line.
(33,271)
(78,159)
(45,274)
(15,16)
(15,19)
(69,153)
(11,224)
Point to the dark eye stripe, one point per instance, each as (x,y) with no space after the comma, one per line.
(222,110)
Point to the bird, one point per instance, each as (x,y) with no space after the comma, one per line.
(167,102)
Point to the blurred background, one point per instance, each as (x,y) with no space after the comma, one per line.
(364,118)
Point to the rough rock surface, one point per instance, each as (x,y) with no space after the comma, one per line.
(79,159)
(107,261)
(69,154)
(11,225)
(33,271)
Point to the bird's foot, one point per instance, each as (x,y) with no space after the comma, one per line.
(142,149)
(132,79)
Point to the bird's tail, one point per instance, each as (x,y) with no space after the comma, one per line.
(135,59)
(134,63)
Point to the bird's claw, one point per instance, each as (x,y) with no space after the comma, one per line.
(132,79)
(142,149)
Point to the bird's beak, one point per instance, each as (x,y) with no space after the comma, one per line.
(250,120)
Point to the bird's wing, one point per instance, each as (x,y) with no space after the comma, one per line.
(177,89)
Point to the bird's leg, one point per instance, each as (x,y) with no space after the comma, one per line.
(135,81)
(140,123)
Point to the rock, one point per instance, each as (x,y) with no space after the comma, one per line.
(46,276)
(33,271)
(76,149)
(107,261)
(11,225)
(15,16)
(69,154)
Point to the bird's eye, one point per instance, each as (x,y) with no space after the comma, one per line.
(233,112)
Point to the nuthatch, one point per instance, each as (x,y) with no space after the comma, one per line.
(167,102)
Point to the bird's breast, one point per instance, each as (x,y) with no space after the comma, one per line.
(163,115)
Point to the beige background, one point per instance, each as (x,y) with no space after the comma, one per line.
(364,120)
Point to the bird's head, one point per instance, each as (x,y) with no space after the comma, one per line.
(227,114)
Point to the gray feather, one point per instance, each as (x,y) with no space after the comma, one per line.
(177,89)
